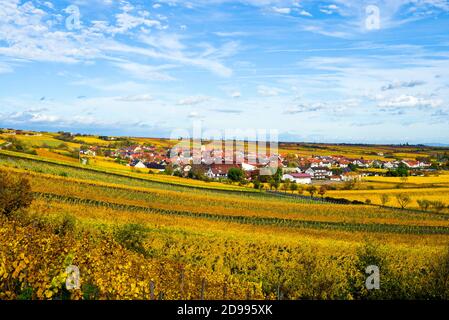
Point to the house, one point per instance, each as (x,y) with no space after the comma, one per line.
(314,163)
(248,167)
(362,163)
(88,153)
(155,166)
(291,170)
(300,178)
(319,173)
(335,178)
(343,163)
(412,164)
(376,164)
(186,169)
(217,171)
(389,165)
(139,165)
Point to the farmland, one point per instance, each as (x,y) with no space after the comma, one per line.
(135,235)
(205,240)
(431,188)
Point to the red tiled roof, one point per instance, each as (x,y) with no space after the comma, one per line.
(222,168)
(301,175)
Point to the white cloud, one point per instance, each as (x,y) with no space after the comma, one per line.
(236,94)
(31,34)
(329,9)
(269,91)
(136,98)
(145,72)
(103,85)
(282,10)
(407,101)
(305,13)
(402,84)
(193,100)
(32,116)
(231,34)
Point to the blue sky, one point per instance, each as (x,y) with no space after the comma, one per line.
(314,70)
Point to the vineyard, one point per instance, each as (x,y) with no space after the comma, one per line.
(136,236)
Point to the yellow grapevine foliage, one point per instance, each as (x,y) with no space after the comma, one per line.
(33,264)
(207,244)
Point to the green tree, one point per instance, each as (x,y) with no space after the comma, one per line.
(286,185)
(402,170)
(293,186)
(257,184)
(274,184)
(235,174)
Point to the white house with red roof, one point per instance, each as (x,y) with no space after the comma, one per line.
(300,178)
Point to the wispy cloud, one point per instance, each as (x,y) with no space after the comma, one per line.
(193,100)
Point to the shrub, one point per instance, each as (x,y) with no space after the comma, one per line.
(257,184)
(423,204)
(439,281)
(66,226)
(132,236)
(293,187)
(15,193)
(384,198)
(349,185)
(438,206)
(367,255)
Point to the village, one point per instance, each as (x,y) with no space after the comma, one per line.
(216,164)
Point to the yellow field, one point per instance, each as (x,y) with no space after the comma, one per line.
(55,156)
(431,194)
(91,140)
(39,140)
(255,245)
(441,178)
(136,235)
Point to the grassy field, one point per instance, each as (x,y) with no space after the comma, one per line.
(141,236)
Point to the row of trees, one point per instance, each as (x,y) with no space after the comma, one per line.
(404,200)
(293,187)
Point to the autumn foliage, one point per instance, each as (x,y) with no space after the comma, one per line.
(15,193)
